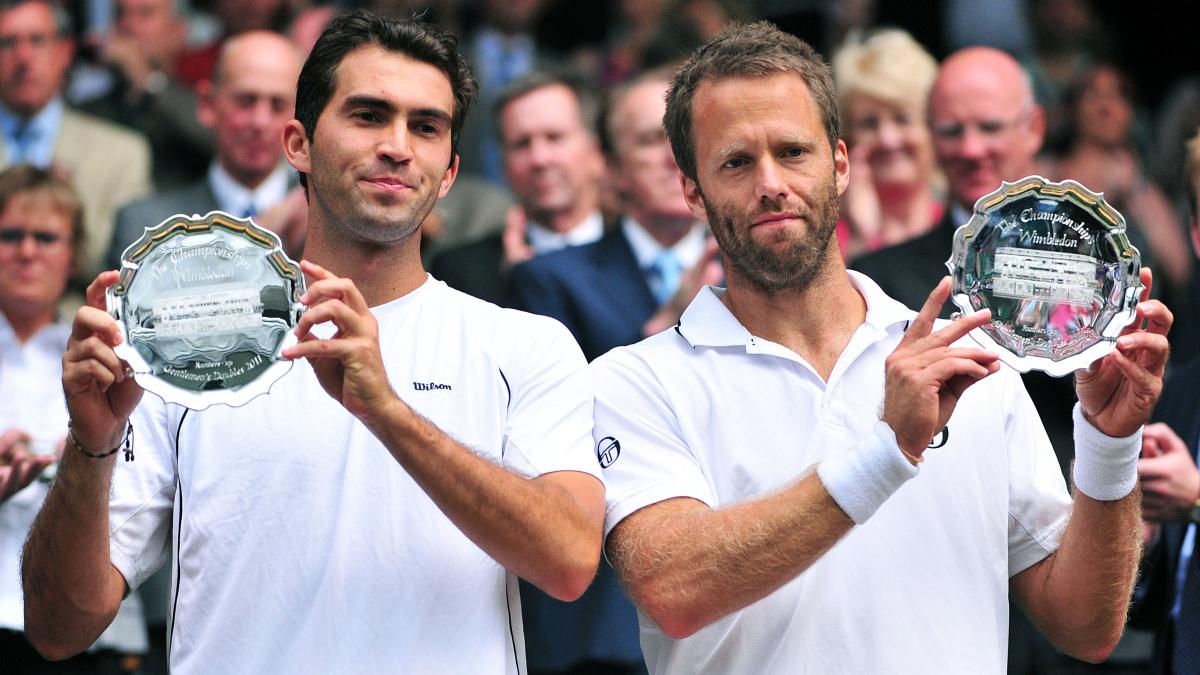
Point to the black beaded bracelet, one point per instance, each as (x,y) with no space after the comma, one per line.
(126,444)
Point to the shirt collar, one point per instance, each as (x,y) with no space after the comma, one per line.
(46,122)
(707,322)
(545,240)
(233,197)
(646,248)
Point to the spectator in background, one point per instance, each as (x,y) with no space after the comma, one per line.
(107,165)
(144,94)
(1100,152)
(607,294)
(1185,336)
(235,16)
(986,129)
(554,167)
(1169,593)
(249,101)
(502,49)
(41,239)
(883,83)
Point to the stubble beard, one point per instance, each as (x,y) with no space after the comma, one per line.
(349,212)
(797,265)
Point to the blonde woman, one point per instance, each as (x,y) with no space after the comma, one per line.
(883,81)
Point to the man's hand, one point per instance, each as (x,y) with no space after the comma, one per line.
(348,365)
(100,396)
(1119,392)
(1168,475)
(926,376)
(516,249)
(19,465)
(289,220)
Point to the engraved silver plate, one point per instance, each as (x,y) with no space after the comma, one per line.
(1053,263)
(205,305)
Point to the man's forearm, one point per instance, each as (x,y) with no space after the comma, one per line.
(546,530)
(1079,596)
(72,591)
(687,565)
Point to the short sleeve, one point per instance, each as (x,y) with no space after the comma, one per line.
(143,494)
(549,424)
(1039,504)
(639,442)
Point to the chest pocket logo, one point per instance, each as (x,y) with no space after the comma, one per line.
(607,451)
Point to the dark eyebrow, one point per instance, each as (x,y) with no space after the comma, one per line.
(383,105)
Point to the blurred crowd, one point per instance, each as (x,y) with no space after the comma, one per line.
(117,114)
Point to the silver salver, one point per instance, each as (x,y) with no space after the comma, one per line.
(206,304)
(1054,265)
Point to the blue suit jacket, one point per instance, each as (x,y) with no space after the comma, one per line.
(600,294)
(1179,408)
(597,291)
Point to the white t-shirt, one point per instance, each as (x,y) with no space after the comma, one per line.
(711,412)
(300,544)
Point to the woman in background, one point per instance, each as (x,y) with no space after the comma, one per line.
(883,81)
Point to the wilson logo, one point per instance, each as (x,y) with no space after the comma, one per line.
(430,386)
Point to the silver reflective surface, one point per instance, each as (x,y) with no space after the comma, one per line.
(1053,263)
(206,305)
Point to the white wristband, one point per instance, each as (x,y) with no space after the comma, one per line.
(1105,467)
(861,479)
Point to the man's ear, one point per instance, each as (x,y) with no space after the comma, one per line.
(448,177)
(694,198)
(204,104)
(296,146)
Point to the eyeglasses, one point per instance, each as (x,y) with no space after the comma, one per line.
(989,129)
(13,236)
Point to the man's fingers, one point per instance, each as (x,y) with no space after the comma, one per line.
(1157,316)
(331,311)
(948,368)
(94,349)
(1141,378)
(98,287)
(961,326)
(923,323)
(334,288)
(93,321)
(1147,278)
(316,348)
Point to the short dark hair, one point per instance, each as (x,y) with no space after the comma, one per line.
(415,39)
(741,50)
(55,190)
(589,104)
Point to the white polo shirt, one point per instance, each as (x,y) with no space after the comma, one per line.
(301,546)
(711,412)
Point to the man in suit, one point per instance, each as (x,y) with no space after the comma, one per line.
(986,129)
(606,293)
(137,88)
(247,104)
(554,167)
(1169,595)
(107,165)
